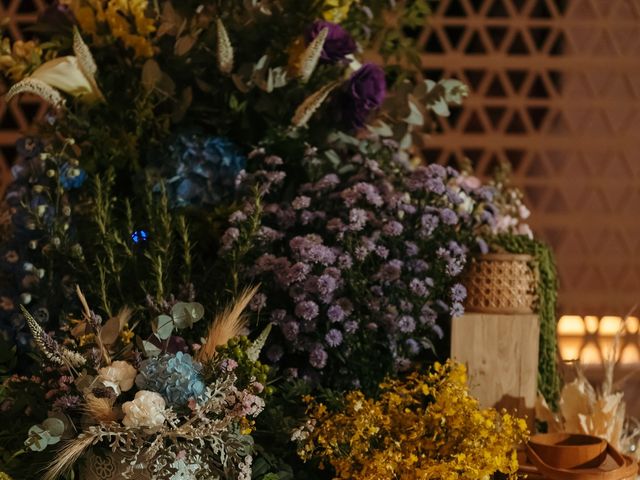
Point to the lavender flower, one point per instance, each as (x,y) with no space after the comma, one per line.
(418,287)
(457,310)
(335,313)
(349,265)
(393,228)
(448,216)
(333,337)
(307,310)
(406,324)
(458,292)
(318,357)
(291,330)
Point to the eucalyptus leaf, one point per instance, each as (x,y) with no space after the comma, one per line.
(162,326)
(406,141)
(381,128)
(415,116)
(440,107)
(333,157)
(54,426)
(186,314)
(150,349)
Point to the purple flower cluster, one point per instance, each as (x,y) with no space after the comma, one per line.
(365,92)
(367,262)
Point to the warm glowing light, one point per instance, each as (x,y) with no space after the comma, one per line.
(610,326)
(591,339)
(571,325)
(570,348)
(633,324)
(630,354)
(591,323)
(590,354)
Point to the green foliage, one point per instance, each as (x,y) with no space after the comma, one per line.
(393,30)
(547,292)
(116,271)
(23,405)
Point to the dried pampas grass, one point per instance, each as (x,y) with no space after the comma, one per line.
(228,324)
(100,409)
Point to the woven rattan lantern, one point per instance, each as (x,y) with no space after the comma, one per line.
(501,283)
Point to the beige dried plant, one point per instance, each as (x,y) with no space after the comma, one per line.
(68,455)
(101,409)
(586,409)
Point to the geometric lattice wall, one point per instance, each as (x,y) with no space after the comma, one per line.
(556,92)
(17,116)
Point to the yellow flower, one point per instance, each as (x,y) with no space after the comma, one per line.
(87,20)
(399,436)
(336,10)
(126,20)
(126,335)
(19,58)
(85,339)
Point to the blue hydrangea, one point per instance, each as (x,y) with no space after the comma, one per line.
(176,377)
(204,170)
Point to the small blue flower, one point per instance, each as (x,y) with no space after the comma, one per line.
(139,236)
(175,377)
(71,177)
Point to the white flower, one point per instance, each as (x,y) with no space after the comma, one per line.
(120,376)
(468,181)
(523,211)
(524,229)
(505,223)
(146,410)
(467,205)
(74,75)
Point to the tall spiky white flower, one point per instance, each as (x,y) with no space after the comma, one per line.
(311,104)
(224,48)
(73,74)
(311,55)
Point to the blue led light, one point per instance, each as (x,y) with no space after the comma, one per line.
(139,236)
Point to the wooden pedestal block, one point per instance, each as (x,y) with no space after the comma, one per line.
(501,355)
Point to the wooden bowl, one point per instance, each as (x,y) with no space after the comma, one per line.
(569,450)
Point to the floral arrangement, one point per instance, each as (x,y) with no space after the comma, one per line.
(183,415)
(423,426)
(191,150)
